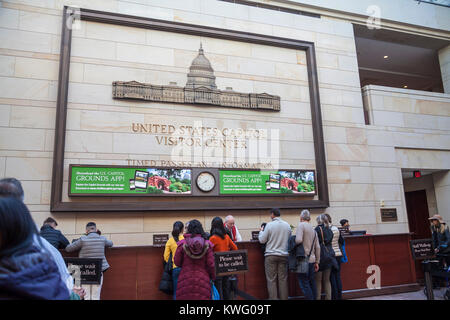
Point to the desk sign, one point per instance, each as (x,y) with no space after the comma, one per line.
(231,262)
(90,269)
(422,249)
(388,214)
(159,240)
(255,235)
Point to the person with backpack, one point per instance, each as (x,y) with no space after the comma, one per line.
(195,256)
(169,252)
(325,237)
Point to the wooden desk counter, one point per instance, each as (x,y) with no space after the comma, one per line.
(135,271)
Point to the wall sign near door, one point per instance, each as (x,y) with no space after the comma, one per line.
(388,214)
(159,240)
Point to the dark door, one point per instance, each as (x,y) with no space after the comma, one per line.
(417,208)
(419,225)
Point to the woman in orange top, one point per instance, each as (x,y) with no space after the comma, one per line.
(222,242)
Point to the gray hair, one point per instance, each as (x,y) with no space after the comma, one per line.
(323,219)
(228,218)
(305,215)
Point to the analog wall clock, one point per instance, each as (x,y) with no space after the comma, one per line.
(206,181)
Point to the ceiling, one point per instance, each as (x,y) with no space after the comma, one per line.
(411,60)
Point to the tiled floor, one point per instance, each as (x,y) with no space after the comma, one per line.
(418,295)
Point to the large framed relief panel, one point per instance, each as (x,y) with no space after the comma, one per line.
(156,115)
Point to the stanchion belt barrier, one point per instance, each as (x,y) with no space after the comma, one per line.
(245,295)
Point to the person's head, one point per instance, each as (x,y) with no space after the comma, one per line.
(328,217)
(195,227)
(344,223)
(11,187)
(178,228)
(437,222)
(217,227)
(323,220)
(305,215)
(17,228)
(91,227)
(229,222)
(50,222)
(275,213)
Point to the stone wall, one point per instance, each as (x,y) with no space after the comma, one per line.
(362,163)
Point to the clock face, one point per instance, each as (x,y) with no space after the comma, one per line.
(206,181)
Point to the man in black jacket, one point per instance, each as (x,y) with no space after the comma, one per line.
(55,237)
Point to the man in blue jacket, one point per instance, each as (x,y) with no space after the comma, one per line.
(55,237)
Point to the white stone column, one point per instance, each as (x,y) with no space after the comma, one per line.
(442,189)
(444,61)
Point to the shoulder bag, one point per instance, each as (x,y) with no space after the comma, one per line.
(326,254)
(166,283)
(303,263)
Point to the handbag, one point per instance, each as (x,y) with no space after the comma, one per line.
(344,258)
(326,255)
(214,293)
(303,263)
(166,283)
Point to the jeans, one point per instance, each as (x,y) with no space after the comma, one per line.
(335,279)
(277,272)
(175,274)
(307,283)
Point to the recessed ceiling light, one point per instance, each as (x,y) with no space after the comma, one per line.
(386,57)
(405,87)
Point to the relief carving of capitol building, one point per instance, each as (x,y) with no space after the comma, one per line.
(200,89)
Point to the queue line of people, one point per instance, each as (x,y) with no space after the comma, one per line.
(26,252)
(193,261)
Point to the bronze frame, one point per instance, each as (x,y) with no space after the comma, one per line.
(219,203)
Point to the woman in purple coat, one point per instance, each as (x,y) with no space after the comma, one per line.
(195,257)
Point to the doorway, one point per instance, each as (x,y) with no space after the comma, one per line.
(417,210)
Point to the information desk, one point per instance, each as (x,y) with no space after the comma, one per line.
(135,272)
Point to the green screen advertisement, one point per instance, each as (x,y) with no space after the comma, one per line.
(85,180)
(267,182)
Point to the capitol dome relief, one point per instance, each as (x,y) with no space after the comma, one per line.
(201,74)
(200,89)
